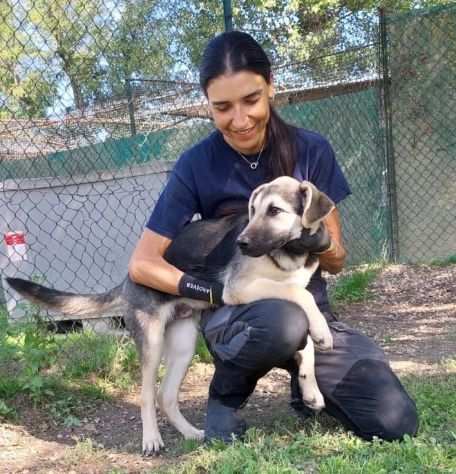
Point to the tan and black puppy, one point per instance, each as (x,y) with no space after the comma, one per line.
(255,258)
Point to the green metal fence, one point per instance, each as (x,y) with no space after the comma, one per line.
(421,50)
(88,86)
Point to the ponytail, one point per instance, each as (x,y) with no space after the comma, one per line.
(282,152)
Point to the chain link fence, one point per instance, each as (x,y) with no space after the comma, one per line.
(421,58)
(98,98)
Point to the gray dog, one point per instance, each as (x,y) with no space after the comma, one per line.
(253,264)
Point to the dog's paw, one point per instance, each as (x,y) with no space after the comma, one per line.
(322,337)
(152,445)
(314,400)
(311,395)
(194,433)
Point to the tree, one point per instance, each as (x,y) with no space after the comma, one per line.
(92,47)
(71,33)
(140,46)
(24,92)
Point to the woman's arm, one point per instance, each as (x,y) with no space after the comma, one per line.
(333,259)
(148,267)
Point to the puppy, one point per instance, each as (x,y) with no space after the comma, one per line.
(252,257)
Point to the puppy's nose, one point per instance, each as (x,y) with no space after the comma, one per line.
(243,242)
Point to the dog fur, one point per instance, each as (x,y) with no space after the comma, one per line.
(279,212)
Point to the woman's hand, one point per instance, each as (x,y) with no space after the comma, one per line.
(333,258)
(315,243)
(149,268)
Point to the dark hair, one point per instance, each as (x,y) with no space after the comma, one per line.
(235,51)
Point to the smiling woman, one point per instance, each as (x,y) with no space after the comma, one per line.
(250,146)
(239,105)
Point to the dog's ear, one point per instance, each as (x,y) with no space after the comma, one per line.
(253,196)
(317,205)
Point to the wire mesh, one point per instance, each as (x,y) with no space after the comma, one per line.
(422,72)
(98,98)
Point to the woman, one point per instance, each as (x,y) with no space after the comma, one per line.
(250,146)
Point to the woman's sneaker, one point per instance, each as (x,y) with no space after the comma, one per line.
(223,423)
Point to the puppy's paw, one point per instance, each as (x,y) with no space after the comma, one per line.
(152,444)
(322,337)
(311,395)
(314,400)
(194,433)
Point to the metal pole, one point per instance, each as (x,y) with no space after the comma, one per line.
(131,107)
(228,15)
(393,232)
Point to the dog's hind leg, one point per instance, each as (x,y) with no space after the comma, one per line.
(151,352)
(180,339)
(311,395)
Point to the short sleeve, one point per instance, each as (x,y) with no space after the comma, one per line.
(177,203)
(327,175)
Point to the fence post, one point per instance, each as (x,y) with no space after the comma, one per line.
(393,234)
(228,15)
(131,107)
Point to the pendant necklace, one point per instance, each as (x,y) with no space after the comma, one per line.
(253,164)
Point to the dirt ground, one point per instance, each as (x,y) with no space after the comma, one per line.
(411,314)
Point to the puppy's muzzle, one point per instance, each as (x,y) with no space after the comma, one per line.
(249,246)
(244,243)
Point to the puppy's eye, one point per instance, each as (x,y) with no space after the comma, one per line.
(273,211)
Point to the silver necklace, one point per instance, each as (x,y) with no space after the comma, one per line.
(253,164)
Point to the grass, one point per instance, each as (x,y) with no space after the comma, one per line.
(63,374)
(353,287)
(57,371)
(292,448)
(318,445)
(444,262)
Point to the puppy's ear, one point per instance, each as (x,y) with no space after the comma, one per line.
(317,205)
(253,196)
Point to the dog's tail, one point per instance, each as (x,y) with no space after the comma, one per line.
(70,304)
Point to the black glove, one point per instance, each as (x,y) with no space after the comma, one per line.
(316,243)
(201,290)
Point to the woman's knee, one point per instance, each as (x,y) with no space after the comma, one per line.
(257,336)
(284,324)
(376,403)
(396,414)
(398,417)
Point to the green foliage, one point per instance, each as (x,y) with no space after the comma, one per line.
(444,262)
(6,411)
(353,287)
(25,91)
(45,366)
(74,34)
(315,447)
(86,354)
(139,46)
(91,47)
(202,352)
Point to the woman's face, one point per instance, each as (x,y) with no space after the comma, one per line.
(239,105)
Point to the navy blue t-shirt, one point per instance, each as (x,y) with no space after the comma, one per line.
(212,172)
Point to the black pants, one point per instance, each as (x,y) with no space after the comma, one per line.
(358,385)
